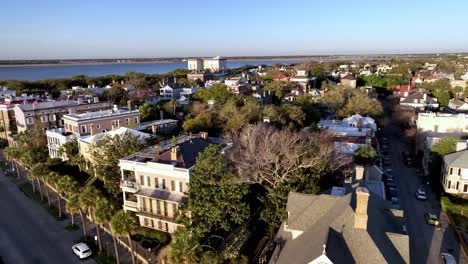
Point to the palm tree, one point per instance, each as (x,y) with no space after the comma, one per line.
(34,175)
(124,223)
(88,199)
(184,248)
(54,179)
(72,206)
(40,171)
(13,154)
(174,104)
(103,213)
(66,186)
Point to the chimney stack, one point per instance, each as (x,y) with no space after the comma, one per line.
(130,105)
(174,153)
(360,215)
(80,100)
(359,172)
(204,135)
(96,99)
(115,108)
(161,113)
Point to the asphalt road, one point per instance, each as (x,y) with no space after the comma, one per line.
(426,242)
(28,234)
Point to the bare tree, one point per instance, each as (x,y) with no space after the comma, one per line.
(263,154)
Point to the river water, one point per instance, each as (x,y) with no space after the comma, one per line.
(33,73)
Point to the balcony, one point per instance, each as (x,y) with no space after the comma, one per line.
(129,186)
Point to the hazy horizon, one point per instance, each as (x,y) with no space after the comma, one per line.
(45,30)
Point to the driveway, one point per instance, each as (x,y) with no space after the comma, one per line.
(28,234)
(426,243)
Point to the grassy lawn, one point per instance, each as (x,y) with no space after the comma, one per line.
(3,165)
(72,228)
(52,210)
(104,259)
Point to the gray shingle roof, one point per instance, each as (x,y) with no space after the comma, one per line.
(458,159)
(331,223)
(47,105)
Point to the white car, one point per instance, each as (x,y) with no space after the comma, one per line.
(448,259)
(421,194)
(82,250)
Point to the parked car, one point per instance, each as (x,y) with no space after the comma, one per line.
(448,259)
(431,219)
(82,250)
(421,194)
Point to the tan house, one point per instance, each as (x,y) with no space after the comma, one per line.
(85,143)
(155,185)
(48,115)
(101,121)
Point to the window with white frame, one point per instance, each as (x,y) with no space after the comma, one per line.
(83,128)
(127,121)
(52,117)
(44,119)
(30,120)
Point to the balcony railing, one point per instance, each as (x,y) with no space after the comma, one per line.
(129,186)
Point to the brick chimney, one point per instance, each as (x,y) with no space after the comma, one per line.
(174,153)
(360,215)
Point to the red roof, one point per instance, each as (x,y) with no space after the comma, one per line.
(355,140)
(280,77)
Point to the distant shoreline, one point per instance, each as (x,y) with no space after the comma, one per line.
(142,62)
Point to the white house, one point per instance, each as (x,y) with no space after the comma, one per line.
(419,100)
(458,105)
(6,93)
(440,123)
(168,92)
(454,176)
(195,64)
(215,64)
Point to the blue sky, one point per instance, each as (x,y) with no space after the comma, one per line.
(152,28)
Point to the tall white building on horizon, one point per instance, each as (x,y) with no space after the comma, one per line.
(214,64)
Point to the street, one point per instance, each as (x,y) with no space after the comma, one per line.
(28,234)
(426,242)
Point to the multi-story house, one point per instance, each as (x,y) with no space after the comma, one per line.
(442,124)
(215,64)
(195,64)
(47,115)
(155,182)
(6,93)
(454,176)
(169,92)
(304,79)
(348,80)
(77,125)
(86,143)
(101,121)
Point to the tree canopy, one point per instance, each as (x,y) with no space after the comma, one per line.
(216,198)
(106,154)
(348,101)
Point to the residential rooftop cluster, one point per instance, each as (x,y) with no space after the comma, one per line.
(319,162)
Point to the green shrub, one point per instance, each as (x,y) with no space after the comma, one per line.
(153,234)
(3,143)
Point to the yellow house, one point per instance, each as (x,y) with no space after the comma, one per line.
(85,143)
